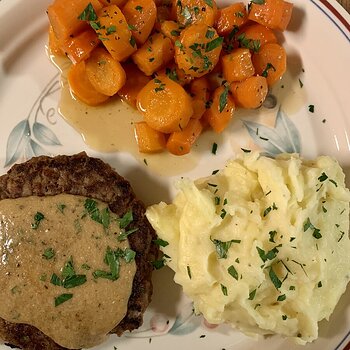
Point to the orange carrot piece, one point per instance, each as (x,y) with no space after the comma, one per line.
(270,62)
(79,47)
(119,3)
(221,110)
(114,32)
(237,65)
(259,32)
(231,17)
(82,88)
(106,74)
(165,105)
(180,142)
(200,95)
(148,139)
(194,11)
(198,49)
(250,93)
(135,81)
(274,14)
(154,54)
(54,45)
(141,16)
(171,29)
(63,16)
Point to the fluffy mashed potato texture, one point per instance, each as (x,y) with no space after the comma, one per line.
(262,244)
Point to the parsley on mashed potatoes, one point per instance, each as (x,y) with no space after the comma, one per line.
(262,244)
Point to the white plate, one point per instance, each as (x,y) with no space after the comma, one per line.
(318,46)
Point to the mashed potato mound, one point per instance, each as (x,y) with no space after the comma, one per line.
(263,244)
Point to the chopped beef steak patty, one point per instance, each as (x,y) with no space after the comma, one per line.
(90,177)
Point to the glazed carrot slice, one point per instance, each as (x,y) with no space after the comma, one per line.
(135,81)
(105,73)
(250,93)
(221,110)
(270,62)
(154,54)
(259,32)
(79,47)
(230,17)
(188,12)
(82,88)
(54,45)
(274,14)
(148,139)
(237,65)
(199,89)
(119,3)
(180,142)
(114,32)
(64,16)
(198,49)
(171,29)
(165,105)
(141,16)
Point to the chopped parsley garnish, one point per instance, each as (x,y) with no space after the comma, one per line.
(100,216)
(311,108)
(281,297)
(158,264)
(126,219)
(160,87)
(132,41)
(308,225)
(223,98)
(61,207)
(323,177)
(209,34)
(258,2)
(38,217)
(301,84)
(139,8)
(284,317)
(209,2)
(252,294)
(48,254)
(233,272)
(175,32)
(132,27)
(88,14)
(223,247)
(224,290)
(250,44)
(270,255)
(172,74)
(267,210)
(69,279)
(272,235)
(274,279)
(189,272)
(160,242)
(266,70)
(319,284)
(124,235)
(223,213)
(62,298)
(246,150)
(214,148)
(211,45)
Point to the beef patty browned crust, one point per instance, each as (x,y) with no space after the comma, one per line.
(90,177)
